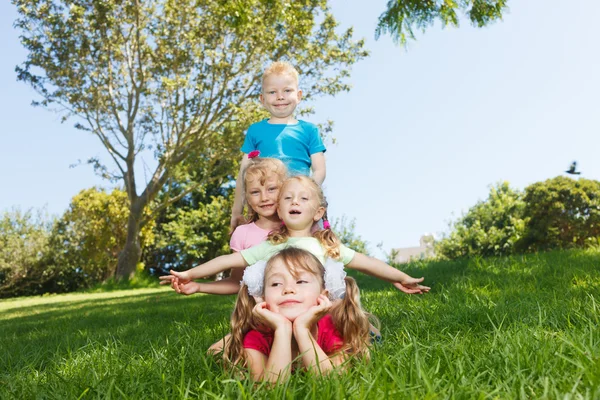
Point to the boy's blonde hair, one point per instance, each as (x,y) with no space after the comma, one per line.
(262,169)
(348,316)
(280,68)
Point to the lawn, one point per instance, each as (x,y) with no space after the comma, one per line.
(515,327)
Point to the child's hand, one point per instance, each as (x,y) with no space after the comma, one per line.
(311,316)
(411,286)
(272,320)
(175,279)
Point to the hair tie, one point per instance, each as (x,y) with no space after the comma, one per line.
(326,225)
(254,278)
(254,154)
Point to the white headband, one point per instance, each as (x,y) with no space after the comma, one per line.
(254,277)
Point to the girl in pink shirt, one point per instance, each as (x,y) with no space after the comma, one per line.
(262,180)
(287,316)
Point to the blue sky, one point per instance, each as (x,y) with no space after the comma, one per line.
(421,136)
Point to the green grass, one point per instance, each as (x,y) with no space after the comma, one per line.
(518,327)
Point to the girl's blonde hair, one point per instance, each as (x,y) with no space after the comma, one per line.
(326,237)
(261,169)
(349,318)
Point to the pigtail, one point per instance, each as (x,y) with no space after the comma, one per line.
(352,322)
(327,238)
(241,323)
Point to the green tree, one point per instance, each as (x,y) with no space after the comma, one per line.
(402,17)
(561,213)
(176,78)
(89,236)
(189,233)
(491,227)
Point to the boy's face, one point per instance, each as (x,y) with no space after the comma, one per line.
(280,95)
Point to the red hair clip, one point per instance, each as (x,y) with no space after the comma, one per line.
(253,154)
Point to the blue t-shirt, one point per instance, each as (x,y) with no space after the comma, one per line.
(292,144)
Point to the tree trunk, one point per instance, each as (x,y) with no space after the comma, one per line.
(131,253)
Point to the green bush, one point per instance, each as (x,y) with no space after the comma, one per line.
(490,228)
(558,213)
(561,213)
(24,249)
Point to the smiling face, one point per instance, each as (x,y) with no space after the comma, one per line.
(280,95)
(299,205)
(290,294)
(262,194)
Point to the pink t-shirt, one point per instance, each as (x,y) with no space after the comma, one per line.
(329,339)
(246,236)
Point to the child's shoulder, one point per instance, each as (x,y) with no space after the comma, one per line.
(308,125)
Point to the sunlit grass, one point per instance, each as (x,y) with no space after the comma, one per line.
(518,327)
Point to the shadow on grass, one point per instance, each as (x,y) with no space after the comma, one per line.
(38,335)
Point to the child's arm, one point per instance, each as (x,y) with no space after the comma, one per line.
(379,269)
(318,166)
(277,365)
(314,358)
(209,268)
(238,202)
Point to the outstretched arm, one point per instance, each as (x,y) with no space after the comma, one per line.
(212,267)
(379,269)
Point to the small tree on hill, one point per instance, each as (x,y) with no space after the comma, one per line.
(491,227)
(561,213)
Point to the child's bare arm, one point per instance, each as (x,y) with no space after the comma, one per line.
(318,166)
(379,269)
(212,267)
(238,202)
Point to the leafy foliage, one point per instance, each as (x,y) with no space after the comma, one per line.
(24,248)
(554,214)
(402,17)
(89,236)
(490,228)
(562,213)
(189,235)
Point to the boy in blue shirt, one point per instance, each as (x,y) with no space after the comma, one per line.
(297,143)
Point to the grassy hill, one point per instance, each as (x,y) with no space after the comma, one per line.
(517,327)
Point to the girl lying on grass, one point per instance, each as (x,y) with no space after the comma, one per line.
(301,203)
(284,317)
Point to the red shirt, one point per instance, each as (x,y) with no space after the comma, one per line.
(329,339)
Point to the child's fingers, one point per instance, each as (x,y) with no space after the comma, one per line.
(406,289)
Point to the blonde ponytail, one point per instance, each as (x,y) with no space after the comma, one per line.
(241,322)
(352,322)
